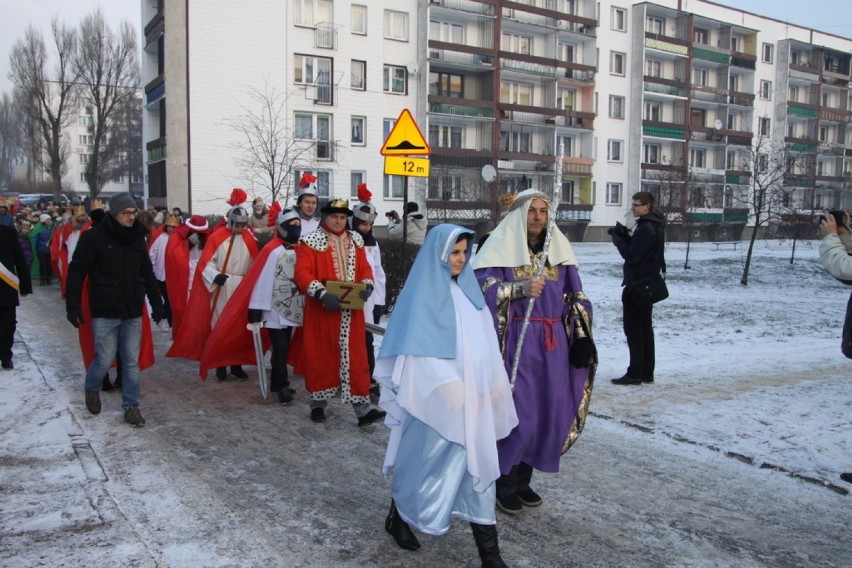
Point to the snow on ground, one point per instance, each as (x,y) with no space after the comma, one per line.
(731,458)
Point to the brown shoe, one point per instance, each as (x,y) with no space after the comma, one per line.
(93,401)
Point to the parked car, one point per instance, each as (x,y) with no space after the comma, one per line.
(33,198)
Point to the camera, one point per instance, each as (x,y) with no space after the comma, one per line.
(392,214)
(619,231)
(838,217)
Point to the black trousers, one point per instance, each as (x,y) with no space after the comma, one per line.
(45,270)
(639,330)
(8,322)
(167,309)
(518,479)
(280,339)
(371,353)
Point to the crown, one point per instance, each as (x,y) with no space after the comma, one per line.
(506,199)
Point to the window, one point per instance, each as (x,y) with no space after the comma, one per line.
(517,140)
(358,128)
(653,111)
(446,31)
(613,150)
(358,80)
(826,99)
(446,84)
(762,163)
(616,106)
(311,12)
(387,126)
(323,181)
(823,134)
(356,178)
(617,63)
(118,178)
(446,136)
(655,25)
(613,194)
(316,128)
(85,158)
(396,25)
(85,120)
(393,187)
(86,139)
(566,143)
(766,90)
(795,57)
(359,19)
(654,68)
(395,80)
(766,52)
(763,126)
(696,157)
(791,130)
(565,99)
(516,43)
(699,76)
(516,93)
(316,71)
(619,19)
(731,161)
(701,36)
(651,153)
(566,52)
(735,43)
(446,187)
(83,177)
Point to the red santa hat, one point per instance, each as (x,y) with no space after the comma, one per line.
(364,210)
(308,184)
(197,223)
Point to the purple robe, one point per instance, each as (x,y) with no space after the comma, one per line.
(551,397)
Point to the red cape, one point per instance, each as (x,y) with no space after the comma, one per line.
(194,328)
(177,274)
(230,343)
(57,240)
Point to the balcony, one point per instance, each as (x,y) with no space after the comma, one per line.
(738,137)
(801,144)
(460,107)
(325,36)
(577,167)
(663,130)
(662,86)
(743,60)
(464,6)
(708,94)
(834,114)
(459,158)
(707,53)
(455,59)
(665,43)
(801,109)
(804,74)
(528,67)
(741,99)
(572,119)
(156,149)
(155,90)
(155,28)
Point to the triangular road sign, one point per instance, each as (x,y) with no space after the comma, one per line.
(405,138)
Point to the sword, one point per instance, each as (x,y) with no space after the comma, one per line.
(254,328)
(373,328)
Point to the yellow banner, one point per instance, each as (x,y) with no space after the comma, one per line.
(8,277)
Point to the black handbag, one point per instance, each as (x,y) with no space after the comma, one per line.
(649,293)
(846,342)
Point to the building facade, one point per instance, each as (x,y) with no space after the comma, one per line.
(589,101)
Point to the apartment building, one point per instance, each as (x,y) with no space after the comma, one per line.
(343,72)
(586,100)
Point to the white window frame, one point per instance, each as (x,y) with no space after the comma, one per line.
(701,35)
(653,68)
(358,67)
(389,78)
(699,76)
(356,178)
(564,96)
(762,163)
(618,19)
(764,125)
(516,43)
(615,56)
(767,52)
(323,181)
(319,122)
(358,14)
(651,108)
(614,150)
(446,135)
(396,25)
(613,193)
(393,186)
(358,126)
(306,68)
(516,92)
(765,90)
(308,13)
(651,153)
(616,106)
(655,25)
(697,158)
(449,32)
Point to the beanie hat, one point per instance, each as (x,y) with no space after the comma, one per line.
(121,202)
(44,217)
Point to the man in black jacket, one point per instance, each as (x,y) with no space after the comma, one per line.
(114,256)
(14,280)
(643,261)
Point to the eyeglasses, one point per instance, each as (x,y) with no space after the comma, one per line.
(129,213)
(635,205)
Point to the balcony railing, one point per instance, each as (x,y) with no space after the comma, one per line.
(708,94)
(325,36)
(664,86)
(741,99)
(577,167)
(465,6)
(666,45)
(460,58)
(156,149)
(461,110)
(834,115)
(709,54)
(663,130)
(744,60)
(799,110)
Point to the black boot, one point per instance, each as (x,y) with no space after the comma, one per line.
(399,530)
(486,541)
(118,375)
(106,386)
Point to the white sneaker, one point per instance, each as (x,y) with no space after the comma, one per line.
(164,326)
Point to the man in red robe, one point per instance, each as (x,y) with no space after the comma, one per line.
(182,254)
(331,352)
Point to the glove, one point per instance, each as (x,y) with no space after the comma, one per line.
(157,313)
(330,301)
(255,316)
(365,293)
(583,353)
(220,279)
(75,317)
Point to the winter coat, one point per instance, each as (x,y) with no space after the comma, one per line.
(834,251)
(416,229)
(12,258)
(43,239)
(27,247)
(119,270)
(643,252)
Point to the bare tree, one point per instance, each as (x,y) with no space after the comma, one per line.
(47,99)
(108,69)
(11,147)
(674,197)
(269,151)
(765,200)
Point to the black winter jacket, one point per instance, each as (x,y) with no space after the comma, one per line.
(12,257)
(643,252)
(119,270)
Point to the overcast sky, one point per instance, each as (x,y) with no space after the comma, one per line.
(834,16)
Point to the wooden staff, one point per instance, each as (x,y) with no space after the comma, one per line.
(224,268)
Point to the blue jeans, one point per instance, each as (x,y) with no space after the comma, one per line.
(124,335)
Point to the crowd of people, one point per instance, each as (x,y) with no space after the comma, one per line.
(486,368)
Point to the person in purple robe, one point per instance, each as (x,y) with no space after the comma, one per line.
(556,368)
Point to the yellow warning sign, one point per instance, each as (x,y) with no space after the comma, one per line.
(405,138)
(404,166)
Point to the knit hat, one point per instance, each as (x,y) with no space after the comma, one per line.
(121,202)
(44,217)
(364,210)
